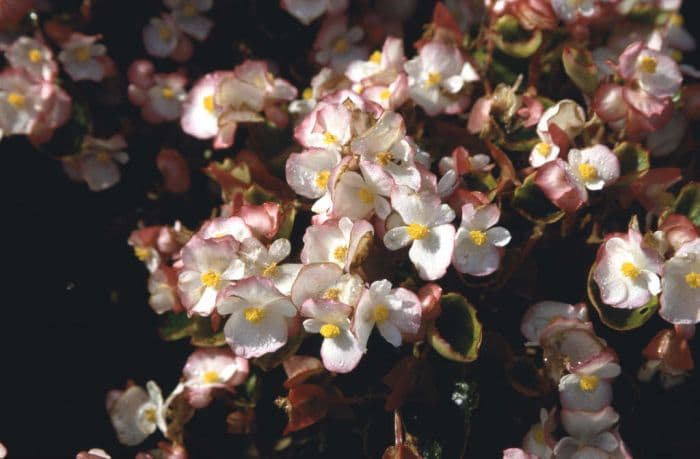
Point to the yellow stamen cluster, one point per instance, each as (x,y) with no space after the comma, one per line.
(189,10)
(340,253)
(648,64)
(35,55)
(381,313)
(332,294)
(329,138)
(630,270)
(478,237)
(341,46)
(383,158)
(543,148)
(376,57)
(208,103)
(270,270)
(587,171)
(385,94)
(211,279)
(322,179)
(434,78)
(142,253)
(365,195)
(254,315)
(16,99)
(330,331)
(692,279)
(165,33)
(210,377)
(167,92)
(82,54)
(416,231)
(538,434)
(588,383)
(307,94)
(150,415)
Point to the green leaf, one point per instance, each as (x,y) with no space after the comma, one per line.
(457,333)
(688,203)
(511,39)
(258,196)
(634,161)
(204,338)
(580,67)
(289,215)
(177,326)
(617,318)
(531,203)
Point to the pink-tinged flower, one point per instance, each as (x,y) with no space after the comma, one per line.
(627,273)
(426,228)
(561,123)
(395,313)
(20,103)
(535,441)
(208,265)
(436,78)
(323,83)
(83,58)
(589,389)
(561,186)
(164,98)
(680,285)
(655,72)
(336,45)
(595,167)
(93,453)
(668,353)
(161,36)
(136,414)
(570,11)
(308,173)
(340,350)
(225,226)
(263,220)
(326,281)
(208,369)
(385,145)
(517,453)
(265,261)
(587,425)
(478,243)
(259,317)
(540,315)
(97,162)
(459,163)
(358,196)
(602,446)
(327,126)
(199,112)
(307,10)
(162,289)
(188,18)
(336,241)
(543,152)
(33,56)
(55,112)
(678,230)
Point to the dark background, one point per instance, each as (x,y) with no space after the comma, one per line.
(75,320)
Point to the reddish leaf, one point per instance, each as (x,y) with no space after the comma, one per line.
(299,368)
(305,405)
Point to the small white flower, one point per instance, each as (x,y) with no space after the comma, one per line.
(136,414)
(478,242)
(680,285)
(266,262)
(595,167)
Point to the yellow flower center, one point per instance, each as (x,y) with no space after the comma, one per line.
(588,383)
(307,94)
(189,10)
(82,54)
(385,94)
(270,270)
(208,103)
(167,92)
(647,64)
(365,195)
(629,270)
(381,313)
(332,294)
(165,33)
(254,315)
(376,57)
(538,434)
(330,331)
(150,415)
(341,46)
(210,377)
(16,99)
(543,148)
(340,253)
(417,231)
(587,171)
(676,20)
(211,279)
(383,158)
(322,179)
(692,279)
(35,55)
(142,253)
(329,138)
(103,157)
(434,78)
(478,237)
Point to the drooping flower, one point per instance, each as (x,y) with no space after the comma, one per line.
(561,123)
(259,316)
(136,414)
(680,285)
(208,265)
(337,241)
(426,228)
(436,78)
(394,312)
(83,58)
(627,273)
(340,350)
(208,369)
(595,167)
(478,242)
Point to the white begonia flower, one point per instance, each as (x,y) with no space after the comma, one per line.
(478,242)
(570,10)
(136,414)
(394,312)
(627,274)
(79,57)
(335,241)
(188,17)
(266,262)
(426,229)
(595,167)
(326,281)
(436,76)
(360,195)
(259,315)
(208,266)
(33,56)
(680,285)
(160,36)
(566,115)
(599,447)
(588,425)
(542,153)
(535,440)
(340,350)
(309,172)
(588,389)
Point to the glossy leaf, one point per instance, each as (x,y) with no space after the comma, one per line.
(634,161)
(531,203)
(688,203)
(457,333)
(305,405)
(580,67)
